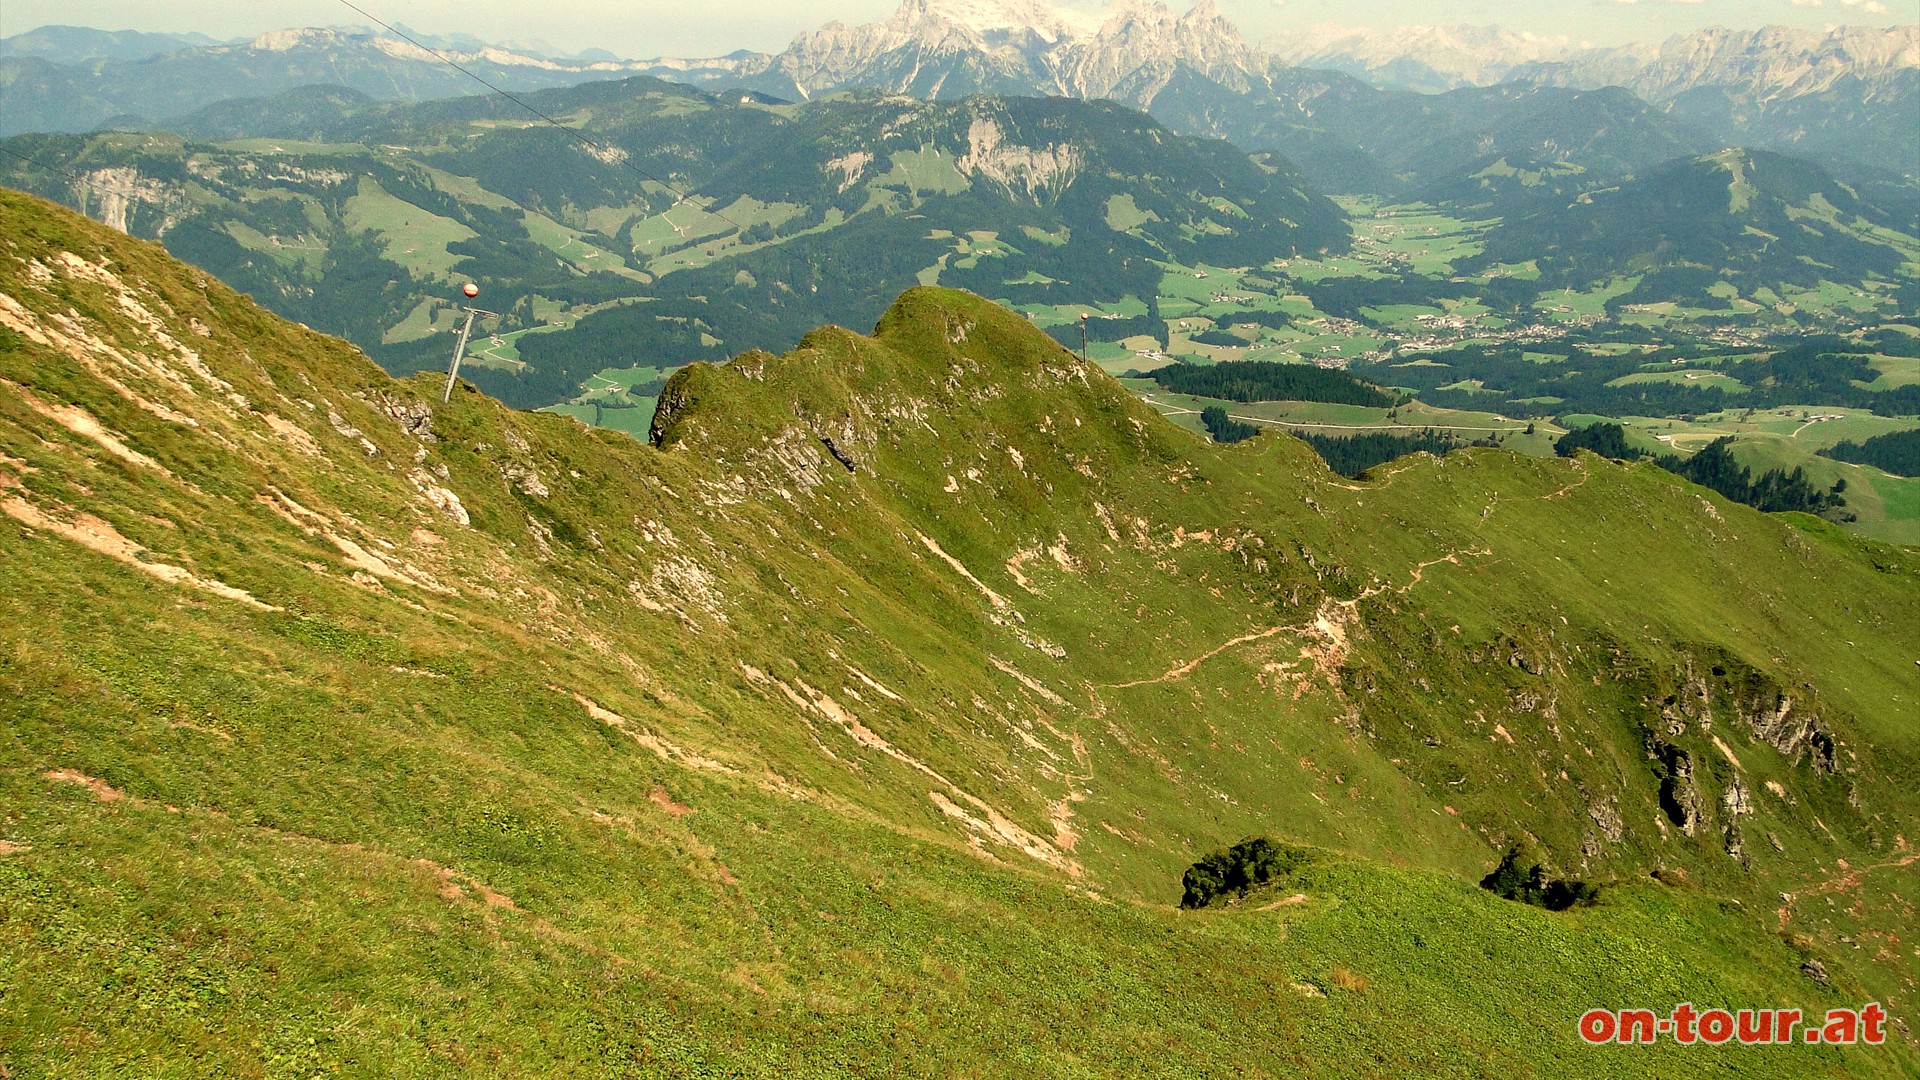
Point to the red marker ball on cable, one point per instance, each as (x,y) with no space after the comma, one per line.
(470,289)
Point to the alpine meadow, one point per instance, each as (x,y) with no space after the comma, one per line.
(1002,542)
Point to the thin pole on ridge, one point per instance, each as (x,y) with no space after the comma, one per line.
(460,350)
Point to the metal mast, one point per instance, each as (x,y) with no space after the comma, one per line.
(460,350)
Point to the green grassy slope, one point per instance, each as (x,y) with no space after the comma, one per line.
(865,724)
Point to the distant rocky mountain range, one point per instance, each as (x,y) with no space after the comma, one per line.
(1351,108)
(1429,59)
(951,48)
(1846,96)
(1778,59)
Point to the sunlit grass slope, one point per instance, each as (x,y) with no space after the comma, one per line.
(864,723)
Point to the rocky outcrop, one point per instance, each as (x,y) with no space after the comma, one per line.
(789,462)
(1674,722)
(1795,732)
(524,478)
(1679,795)
(1035,172)
(1691,703)
(1606,818)
(1521,658)
(437,496)
(414,417)
(1737,800)
(839,454)
(675,400)
(1736,845)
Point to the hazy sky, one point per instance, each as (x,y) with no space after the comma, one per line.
(644,28)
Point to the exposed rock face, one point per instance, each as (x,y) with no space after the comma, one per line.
(1679,795)
(1142,46)
(414,417)
(1849,93)
(1736,846)
(1692,704)
(839,454)
(525,478)
(1606,818)
(1034,172)
(1544,703)
(113,194)
(1774,87)
(1525,661)
(1778,60)
(1697,699)
(1675,721)
(1737,800)
(440,498)
(789,462)
(1817,971)
(674,401)
(1796,734)
(925,48)
(679,584)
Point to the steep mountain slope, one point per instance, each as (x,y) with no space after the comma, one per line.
(797,215)
(1859,127)
(1751,220)
(1550,154)
(1847,96)
(1430,143)
(866,724)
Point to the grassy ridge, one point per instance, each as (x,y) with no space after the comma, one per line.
(634,772)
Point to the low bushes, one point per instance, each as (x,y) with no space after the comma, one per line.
(1232,872)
